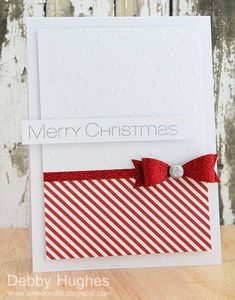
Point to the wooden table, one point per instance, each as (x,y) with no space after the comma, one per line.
(211,282)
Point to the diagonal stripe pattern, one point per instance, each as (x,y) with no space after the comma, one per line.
(108,217)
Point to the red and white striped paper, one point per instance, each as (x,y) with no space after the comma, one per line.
(109,217)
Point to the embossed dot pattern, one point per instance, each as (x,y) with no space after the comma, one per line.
(118,72)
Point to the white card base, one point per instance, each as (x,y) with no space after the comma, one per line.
(40,264)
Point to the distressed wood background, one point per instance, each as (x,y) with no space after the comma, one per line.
(14,182)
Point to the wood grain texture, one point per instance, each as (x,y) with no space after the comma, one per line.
(178,283)
(81,8)
(142,8)
(223,37)
(14,191)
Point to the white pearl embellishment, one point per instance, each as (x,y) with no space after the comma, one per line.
(176,171)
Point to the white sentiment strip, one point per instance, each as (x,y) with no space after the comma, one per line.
(82,130)
(188,203)
(98,220)
(107,209)
(163,217)
(65,236)
(148,212)
(135,218)
(103,243)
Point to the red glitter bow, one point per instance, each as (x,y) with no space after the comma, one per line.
(149,171)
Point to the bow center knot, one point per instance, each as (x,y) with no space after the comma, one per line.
(176,171)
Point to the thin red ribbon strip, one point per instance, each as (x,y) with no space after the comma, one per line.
(147,172)
(87,175)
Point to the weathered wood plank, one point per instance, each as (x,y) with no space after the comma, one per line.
(223,36)
(79,8)
(62,8)
(223,24)
(142,8)
(14,194)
